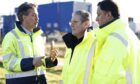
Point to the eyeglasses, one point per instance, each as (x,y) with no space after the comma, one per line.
(73,22)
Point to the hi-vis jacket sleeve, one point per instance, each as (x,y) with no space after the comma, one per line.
(11,59)
(111,63)
(48,63)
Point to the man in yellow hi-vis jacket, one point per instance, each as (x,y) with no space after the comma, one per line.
(116,58)
(24,50)
(78,46)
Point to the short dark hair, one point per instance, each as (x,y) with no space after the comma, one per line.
(23,9)
(84,15)
(109,6)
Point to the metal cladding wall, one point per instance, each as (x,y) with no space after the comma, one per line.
(56,16)
(48,16)
(8,23)
(65,14)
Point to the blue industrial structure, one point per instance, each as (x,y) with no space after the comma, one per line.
(8,23)
(56,16)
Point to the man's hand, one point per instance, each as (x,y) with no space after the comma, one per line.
(37,61)
(53,54)
(53,51)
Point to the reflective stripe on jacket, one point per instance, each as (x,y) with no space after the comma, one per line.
(116,59)
(17,46)
(73,72)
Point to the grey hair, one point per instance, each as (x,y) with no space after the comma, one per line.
(85,15)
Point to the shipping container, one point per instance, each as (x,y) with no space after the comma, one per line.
(56,16)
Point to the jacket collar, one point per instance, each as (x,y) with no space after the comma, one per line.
(102,26)
(18,24)
(113,26)
(71,41)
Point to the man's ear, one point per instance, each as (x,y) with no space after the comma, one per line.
(109,15)
(86,24)
(23,17)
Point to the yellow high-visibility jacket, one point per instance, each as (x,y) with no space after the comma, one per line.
(19,49)
(117,56)
(74,68)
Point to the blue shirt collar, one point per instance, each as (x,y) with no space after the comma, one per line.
(27,31)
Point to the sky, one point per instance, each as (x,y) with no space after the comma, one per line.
(128,8)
